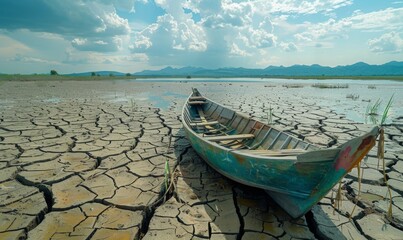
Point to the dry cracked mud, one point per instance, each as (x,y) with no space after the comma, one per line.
(86,160)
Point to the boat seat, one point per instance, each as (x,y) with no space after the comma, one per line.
(282,152)
(197,98)
(197,102)
(202,124)
(230,137)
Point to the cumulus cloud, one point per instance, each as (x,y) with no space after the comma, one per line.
(81,19)
(328,30)
(97,44)
(170,34)
(228,14)
(299,7)
(387,19)
(388,42)
(141,43)
(331,29)
(261,39)
(208,33)
(288,47)
(225,29)
(75,18)
(236,51)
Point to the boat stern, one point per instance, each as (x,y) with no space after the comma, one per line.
(353,151)
(350,155)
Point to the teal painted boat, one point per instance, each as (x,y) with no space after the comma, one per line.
(295,173)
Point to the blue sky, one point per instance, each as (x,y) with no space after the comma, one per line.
(134,35)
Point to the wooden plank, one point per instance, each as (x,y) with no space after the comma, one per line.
(274,140)
(197,98)
(230,137)
(262,140)
(243,115)
(286,142)
(204,124)
(211,132)
(197,103)
(201,114)
(284,152)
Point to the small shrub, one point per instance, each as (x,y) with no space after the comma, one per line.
(324,85)
(353,96)
(293,85)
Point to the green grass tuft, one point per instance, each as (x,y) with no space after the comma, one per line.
(372,111)
(386,110)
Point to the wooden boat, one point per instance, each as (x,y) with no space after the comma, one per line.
(295,173)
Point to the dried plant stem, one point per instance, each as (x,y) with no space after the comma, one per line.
(382,157)
(169,183)
(359,190)
(338,198)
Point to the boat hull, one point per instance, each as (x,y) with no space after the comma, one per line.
(296,183)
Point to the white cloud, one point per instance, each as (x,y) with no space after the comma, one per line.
(298,7)
(236,51)
(112,44)
(141,43)
(262,39)
(226,14)
(387,19)
(227,28)
(329,30)
(324,33)
(81,18)
(95,58)
(388,42)
(79,41)
(112,24)
(29,59)
(72,20)
(208,33)
(288,47)
(171,34)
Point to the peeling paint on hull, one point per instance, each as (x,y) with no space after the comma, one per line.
(295,183)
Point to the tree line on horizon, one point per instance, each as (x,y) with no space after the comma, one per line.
(93,74)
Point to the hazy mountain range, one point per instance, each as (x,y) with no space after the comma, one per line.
(100,73)
(358,69)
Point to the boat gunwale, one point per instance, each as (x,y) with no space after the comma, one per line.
(244,152)
(308,199)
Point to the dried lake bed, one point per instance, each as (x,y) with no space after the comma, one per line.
(86,160)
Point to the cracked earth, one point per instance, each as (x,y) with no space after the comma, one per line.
(86,160)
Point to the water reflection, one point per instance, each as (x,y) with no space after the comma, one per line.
(340,100)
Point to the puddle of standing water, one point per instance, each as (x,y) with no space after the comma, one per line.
(368,92)
(157,99)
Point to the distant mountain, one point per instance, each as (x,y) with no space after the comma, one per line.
(358,69)
(100,73)
(169,71)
